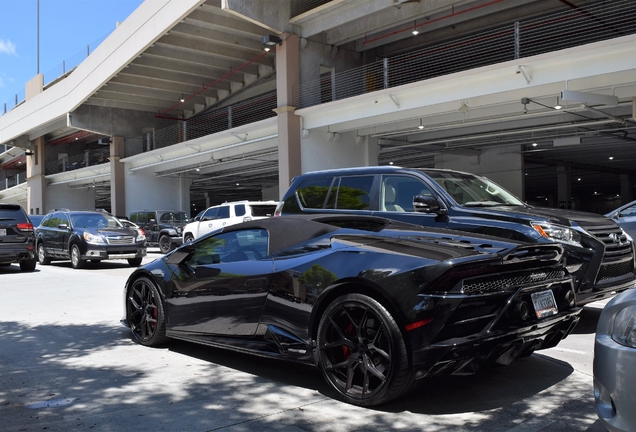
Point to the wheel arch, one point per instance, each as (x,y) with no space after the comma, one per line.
(138,275)
(356,287)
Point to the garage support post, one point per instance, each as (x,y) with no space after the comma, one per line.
(117,177)
(626,189)
(36,181)
(564,184)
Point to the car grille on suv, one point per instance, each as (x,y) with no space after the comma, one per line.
(618,260)
(120,240)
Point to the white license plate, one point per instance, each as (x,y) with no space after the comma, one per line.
(544,303)
(3,232)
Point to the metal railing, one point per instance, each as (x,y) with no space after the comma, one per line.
(70,163)
(573,27)
(299,7)
(241,113)
(57,72)
(14,180)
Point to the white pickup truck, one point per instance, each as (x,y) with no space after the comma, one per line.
(226,214)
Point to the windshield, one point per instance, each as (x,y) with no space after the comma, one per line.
(94,220)
(470,190)
(174,217)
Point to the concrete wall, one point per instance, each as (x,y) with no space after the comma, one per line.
(144,191)
(61,196)
(344,150)
(503,165)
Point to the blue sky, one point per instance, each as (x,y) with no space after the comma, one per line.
(66,27)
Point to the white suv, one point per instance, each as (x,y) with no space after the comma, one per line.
(226,214)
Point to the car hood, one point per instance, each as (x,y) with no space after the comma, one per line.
(571,218)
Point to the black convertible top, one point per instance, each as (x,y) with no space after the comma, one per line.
(287,231)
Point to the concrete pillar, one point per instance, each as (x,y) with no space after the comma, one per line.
(321,149)
(117,178)
(287,76)
(564,183)
(36,180)
(626,189)
(503,165)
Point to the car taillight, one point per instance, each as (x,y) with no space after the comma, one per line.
(25,227)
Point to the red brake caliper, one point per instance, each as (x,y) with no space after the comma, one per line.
(349,331)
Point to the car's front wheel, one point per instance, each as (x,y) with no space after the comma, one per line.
(134,262)
(188,238)
(76,258)
(28,265)
(362,353)
(42,258)
(165,245)
(145,314)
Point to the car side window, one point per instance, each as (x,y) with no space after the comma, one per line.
(224,212)
(352,193)
(62,219)
(133,217)
(244,245)
(239,209)
(210,214)
(397,192)
(629,211)
(312,193)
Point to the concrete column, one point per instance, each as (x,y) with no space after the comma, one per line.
(503,165)
(564,183)
(287,76)
(324,150)
(626,189)
(36,180)
(117,178)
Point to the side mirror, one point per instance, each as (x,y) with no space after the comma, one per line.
(427,204)
(63,226)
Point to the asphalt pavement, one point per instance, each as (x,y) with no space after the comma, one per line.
(66,364)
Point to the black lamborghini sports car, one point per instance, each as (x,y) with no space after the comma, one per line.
(376,304)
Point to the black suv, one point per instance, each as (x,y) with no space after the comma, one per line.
(16,238)
(163,227)
(600,255)
(87,235)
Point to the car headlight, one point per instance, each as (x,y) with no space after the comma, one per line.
(624,331)
(93,239)
(179,230)
(557,233)
(627,235)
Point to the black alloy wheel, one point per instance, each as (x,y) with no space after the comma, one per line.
(362,353)
(165,245)
(42,258)
(76,258)
(144,310)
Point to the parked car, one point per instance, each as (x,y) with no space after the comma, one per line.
(600,255)
(625,217)
(226,214)
(376,304)
(87,235)
(615,362)
(16,238)
(163,228)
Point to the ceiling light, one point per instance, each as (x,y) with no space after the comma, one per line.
(421,126)
(237,183)
(579,179)
(182,99)
(611,157)
(391,163)
(534,144)
(197,169)
(270,41)
(415,32)
(558,106)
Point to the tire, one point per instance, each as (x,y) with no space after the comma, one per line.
(42,258)
(28,265)
(145,313)
(95,261)
(134,262)
(188,238)
(361,351)
(165,245)
(76,258)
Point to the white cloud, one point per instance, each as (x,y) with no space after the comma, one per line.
(7,47)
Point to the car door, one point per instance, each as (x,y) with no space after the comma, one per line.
(63,232)
(214,220)
(222,285)
(49,234)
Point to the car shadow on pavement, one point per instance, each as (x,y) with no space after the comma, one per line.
(589,320)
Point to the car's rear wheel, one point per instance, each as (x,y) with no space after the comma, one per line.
(188,238)
(134,262)
(76,258)
(362,353)
(42,258)
(28,265)
(165,245)
(144,310)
